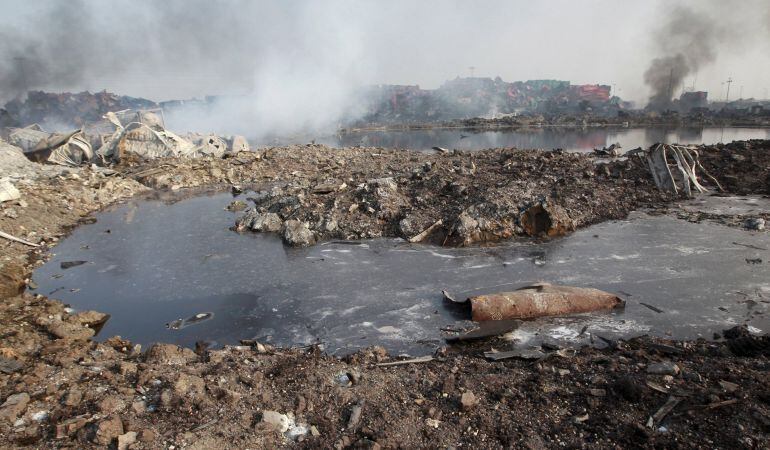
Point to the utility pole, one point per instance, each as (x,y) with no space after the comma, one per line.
(472,68)
(740,93)
(727,96)
(670,85)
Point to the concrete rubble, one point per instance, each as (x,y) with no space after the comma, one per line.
(138,134)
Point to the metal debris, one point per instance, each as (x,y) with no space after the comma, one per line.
(518,353)
(683,178)
(421,236)
(485,330)
(421,359)
(540,300)
(19,240)
(663,411)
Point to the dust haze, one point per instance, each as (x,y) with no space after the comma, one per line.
(286,66)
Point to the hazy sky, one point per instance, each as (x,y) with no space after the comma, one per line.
(294,49)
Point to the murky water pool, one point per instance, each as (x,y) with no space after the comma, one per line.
(570,139)
(150,263)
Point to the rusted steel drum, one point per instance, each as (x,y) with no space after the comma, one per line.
(541,300)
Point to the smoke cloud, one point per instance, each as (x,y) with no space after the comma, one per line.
(688,42)
(277,66)
(692,39)
(284,66)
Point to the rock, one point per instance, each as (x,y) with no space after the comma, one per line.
(378,352)
(91,319)
(8,191)
(366,444)
(458,190)
(9,366)
(255,221)
(467,228)
(736,332)
(408,228)
(119,344)
(66,330)
(328,186)
(168,399)
(124,440)
(728,386)
(13,406)
(111,404)
(236,205)
(108,429)
(355,415)
(40,416)
(139,407)
(127,369)
(663,368)
(384,186)
(11,280)
(692,376)
(297,234)
(329,225)
(73,397)
(278,421)
(170,354)
(216,173)
(69,427)
(468,400)
(187,384)
(268,222)
(147,435)
(29,434)
(755,223)
(598,392)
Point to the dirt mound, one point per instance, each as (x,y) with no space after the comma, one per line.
(742,167)
(470,197)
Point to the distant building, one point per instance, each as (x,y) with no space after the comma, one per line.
(693,100)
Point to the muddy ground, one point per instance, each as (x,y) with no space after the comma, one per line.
(58,388)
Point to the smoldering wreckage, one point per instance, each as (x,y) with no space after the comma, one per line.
(140,133)
(61,388)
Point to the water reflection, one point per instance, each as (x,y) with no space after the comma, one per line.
(572,139)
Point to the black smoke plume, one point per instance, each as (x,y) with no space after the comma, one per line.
(686,42)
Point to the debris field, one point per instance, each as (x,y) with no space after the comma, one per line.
(62,387)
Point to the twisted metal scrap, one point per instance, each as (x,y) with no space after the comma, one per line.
(685,162)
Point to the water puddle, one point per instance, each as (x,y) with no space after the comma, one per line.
(176,273)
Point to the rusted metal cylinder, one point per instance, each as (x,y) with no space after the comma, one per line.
(541,300)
